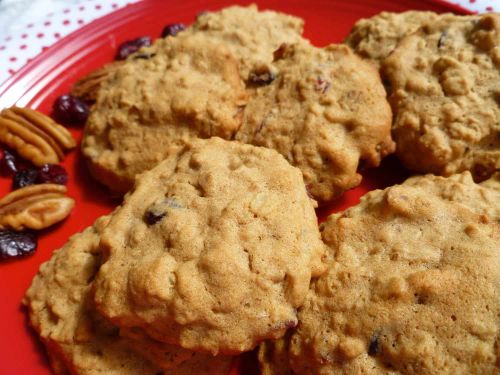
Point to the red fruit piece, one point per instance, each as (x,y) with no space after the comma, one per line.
(173,29)
(52,174)
(8,164)
(70,110)
(17,244)
(131,46)
(24,178)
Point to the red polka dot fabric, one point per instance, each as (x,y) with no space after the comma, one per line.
(18,49)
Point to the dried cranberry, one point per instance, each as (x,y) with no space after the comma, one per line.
(373,346)
(173,29)
(8,164)
(281,51)
(70,110)
(24,178)
(52,174)
(152,217)
(144,56)
(131,46)
(16,244)
(261,76)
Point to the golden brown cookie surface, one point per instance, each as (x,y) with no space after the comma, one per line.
(250,34)
(376,37)
(213,250)
(444,84)
(325,112)
(77,339)
(412,287)
(180,88)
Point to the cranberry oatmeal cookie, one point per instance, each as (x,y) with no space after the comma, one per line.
(325,111)
(250,34)
(376,37)
(445,92)
(78,340)
(413,285)
(212,250)
(178,89)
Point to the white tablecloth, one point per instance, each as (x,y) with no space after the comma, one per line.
(29,26)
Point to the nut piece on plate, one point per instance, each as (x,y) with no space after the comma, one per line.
(444,84)
(325,110)
(34,136)
(212,250)
(88,87)
(412,286)
(35,207)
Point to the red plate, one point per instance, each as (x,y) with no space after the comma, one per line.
(54,71)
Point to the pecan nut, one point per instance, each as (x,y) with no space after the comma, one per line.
(35,207)
(34,136)
(88,87)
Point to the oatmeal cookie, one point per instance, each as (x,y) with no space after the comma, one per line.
(79,341)
(212,250)
(178,89)
(483,198)
(376,37)
(493,183)
(445,92)
(166,356)
(325,111)
(413,285)
(250,34)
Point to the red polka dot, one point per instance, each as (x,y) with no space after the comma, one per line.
(114,5)
(47,23)
(24,36)
(13,58)
(29,60)
(11,71)
(98,7)
(2,48)
(66,22)
(40,35)
(66,11)
(45,48)
(472,1)
(23,46)
(80,22)
(489,9)
(81,8)
(57,35)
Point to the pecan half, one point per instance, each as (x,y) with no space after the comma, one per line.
(35,207)
(88,87)
(34,136)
